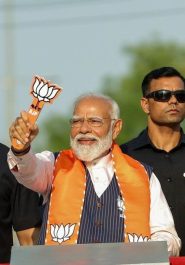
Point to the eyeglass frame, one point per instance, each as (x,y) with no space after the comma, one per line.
(90,119)
(172,93)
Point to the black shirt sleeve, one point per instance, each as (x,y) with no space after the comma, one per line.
(26,209)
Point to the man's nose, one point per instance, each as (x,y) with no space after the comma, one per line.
(85,127)
(173,100)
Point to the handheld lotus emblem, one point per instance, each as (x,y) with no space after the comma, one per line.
(43,90)
(61,233)
(136,238)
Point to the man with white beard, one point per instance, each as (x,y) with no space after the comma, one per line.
(94,192)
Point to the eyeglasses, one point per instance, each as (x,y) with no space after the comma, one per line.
(92,122)
(164,95)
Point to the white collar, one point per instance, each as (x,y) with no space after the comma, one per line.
(100,162)
(101,172)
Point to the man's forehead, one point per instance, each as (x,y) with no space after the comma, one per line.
(90,114)
(92,105)
(169,81)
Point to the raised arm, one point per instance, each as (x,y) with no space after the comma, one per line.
(34,171)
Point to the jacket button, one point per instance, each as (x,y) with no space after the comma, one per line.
(98,223)
(99,204)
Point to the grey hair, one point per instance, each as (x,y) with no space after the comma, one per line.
(115,110)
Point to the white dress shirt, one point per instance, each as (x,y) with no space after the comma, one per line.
(35,171)
(101,172)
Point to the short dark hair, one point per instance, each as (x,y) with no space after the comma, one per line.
(158,73)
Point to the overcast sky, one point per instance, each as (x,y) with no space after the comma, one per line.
(74,43)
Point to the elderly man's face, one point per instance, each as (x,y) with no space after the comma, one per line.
(92,129)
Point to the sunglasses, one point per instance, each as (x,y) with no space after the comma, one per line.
(165,95)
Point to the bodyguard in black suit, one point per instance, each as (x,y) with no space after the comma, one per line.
(162,143)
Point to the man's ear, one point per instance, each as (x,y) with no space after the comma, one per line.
(145,105)
(116,128)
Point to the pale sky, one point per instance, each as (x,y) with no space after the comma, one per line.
(74,43)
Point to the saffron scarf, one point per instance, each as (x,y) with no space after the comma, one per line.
(68,192)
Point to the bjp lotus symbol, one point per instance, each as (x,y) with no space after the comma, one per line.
(61,233)
(137,238)
(43,92)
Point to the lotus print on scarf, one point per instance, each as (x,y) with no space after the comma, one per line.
(42,91)
(136,238)
(121,206)
(61,233)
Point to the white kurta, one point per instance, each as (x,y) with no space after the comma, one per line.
(36,171)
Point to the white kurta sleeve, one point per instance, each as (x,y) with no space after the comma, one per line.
(35,171)
(161,220)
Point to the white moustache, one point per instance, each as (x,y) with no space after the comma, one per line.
(86,137)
